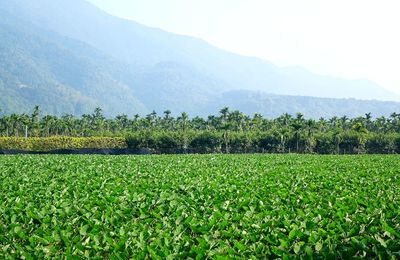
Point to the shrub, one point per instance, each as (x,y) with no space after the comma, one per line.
(379,143)
(242,143)
(324,144)
(353,142)
(293,142)
(268,143)
(167,141)
(144,139)
(60,142)
(397,143)
(133,141)
(15,143)
(206,142)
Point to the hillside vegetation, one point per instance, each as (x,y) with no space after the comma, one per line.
(70,57)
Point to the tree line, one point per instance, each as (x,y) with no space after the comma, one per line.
(230,131)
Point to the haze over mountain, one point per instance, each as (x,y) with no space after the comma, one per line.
(69,57)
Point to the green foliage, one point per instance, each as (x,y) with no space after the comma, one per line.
(325,144)
(242,142)
(206,142)
(268,142)
(381,144)
(167,141)
(60,142)
(229,132)
(352,142)
(397,144)
(214,142)
(153,140)
(134,141)
(200,206)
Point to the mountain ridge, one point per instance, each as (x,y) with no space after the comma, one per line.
(143,70)
(134,43)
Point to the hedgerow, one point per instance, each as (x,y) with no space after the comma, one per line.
(60,142)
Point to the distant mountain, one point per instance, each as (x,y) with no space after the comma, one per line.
(138,44)
(69,57)
(271,105)
(60,74)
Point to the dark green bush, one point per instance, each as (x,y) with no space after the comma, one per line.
(167,141)
(139,140)
(380,144)
(206,142)
(325,144)
(134,141)
(268,142)
(397,143)
(352,143)
(242,143)
(293,142)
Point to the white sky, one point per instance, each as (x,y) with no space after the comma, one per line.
(345,38)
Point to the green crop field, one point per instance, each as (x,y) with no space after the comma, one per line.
(200,206)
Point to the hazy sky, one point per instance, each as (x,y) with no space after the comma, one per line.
(346,38)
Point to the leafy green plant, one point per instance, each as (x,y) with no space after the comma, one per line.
(200,206)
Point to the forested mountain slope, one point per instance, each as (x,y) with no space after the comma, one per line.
(138,44)
(59,74)
(70,57)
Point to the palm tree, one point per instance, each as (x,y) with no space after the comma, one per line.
(121,122)
(360,128)
(16,124)
(297,129)
(322,124)
(183,122)
(151,120)
(98,119)
(198,124)
(284,120)
(224,112)
(135,122)
(338,139)
(343,122)
(212,122)
(69,124)
(298,126)
(7,125)
(167,114)
(167,120)
(395,122)
(335,122)
(283,134)
(256,122)
(310,127)
(225,135)
(368,123)
(85,124)
(49,124)
(381,125)
(34,124)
